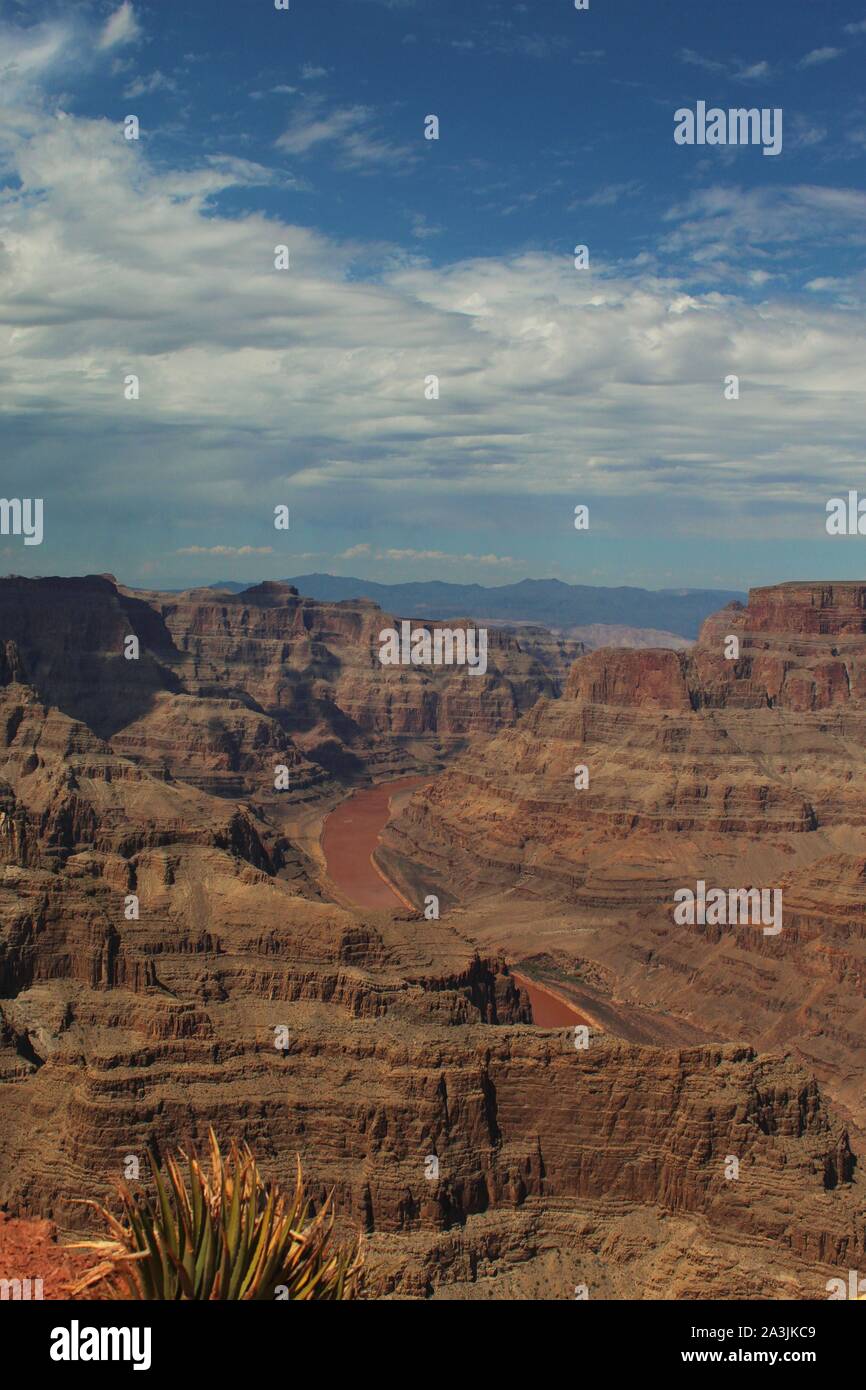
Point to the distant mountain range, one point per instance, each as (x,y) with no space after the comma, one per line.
(547,601)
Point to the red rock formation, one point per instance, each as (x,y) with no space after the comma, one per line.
(229,685)
(743,773)
(403,1041)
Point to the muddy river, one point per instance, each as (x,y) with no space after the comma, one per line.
(350,835)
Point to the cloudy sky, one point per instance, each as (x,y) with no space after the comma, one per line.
(410,258)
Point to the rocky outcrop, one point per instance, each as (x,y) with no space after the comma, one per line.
(463,1151)
(314,667)
(742,772)
(169,959)
(226,687)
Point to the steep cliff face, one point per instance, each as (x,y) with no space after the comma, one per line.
(152,939)
(618,1181)
(743,773)
(227,686)
(315,667)
(609,1166)
(819,610)
(156,932)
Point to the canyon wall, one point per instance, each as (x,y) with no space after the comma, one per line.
(158,925)
(228,685)
(743,773)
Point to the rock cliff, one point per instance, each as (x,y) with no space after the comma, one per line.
(742,771)
(225,686)
(159,925)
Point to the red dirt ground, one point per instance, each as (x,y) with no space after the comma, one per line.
(29,1249)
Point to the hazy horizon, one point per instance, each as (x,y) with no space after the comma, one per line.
(422,580)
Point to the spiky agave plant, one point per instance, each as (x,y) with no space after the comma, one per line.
(226,1235)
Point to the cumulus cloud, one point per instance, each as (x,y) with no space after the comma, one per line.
(730,230)
(230,351)
(234,357)
(259,386)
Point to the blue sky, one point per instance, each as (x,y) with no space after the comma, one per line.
(412,257)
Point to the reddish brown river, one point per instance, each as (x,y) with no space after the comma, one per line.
(548,1010)
(350,835)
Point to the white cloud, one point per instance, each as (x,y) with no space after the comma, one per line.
(803,134)
(421,228)
(226,550)
(755,72)
(120,28)
(612,193)
(155,82)
(350,130)
(424,556)
(307,131)
(688,55)
(736,69)
(818,56)
(366,552)
(29,55)
(729,228)
(258,385)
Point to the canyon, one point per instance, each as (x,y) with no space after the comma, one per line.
(744,773)
(350,838)
(551,603)
(604,1166)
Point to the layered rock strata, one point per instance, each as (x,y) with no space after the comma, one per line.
(169,959)
(742,772)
